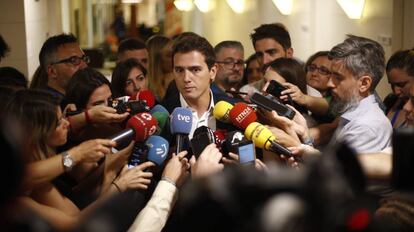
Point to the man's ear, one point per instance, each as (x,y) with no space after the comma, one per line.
(364,84)
(289,52)
(51,71)
(213,73)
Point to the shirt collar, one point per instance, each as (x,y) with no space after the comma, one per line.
(362,106)
(184,103)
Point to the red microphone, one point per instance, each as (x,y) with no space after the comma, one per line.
(145,96)
(144,125)
(241,115)
(138,128)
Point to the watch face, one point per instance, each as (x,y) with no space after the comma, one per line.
(67,161)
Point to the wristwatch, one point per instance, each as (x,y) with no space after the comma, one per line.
(67,161)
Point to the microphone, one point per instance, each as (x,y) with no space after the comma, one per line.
(162,119)
(221,111)
(158,108)
(180,125)
(242,115)
(203,136)
(145,96)
(157,149)
(263,138)
(139,127)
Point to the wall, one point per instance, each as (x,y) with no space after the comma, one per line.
(314,25)
(12,28)
(25,25)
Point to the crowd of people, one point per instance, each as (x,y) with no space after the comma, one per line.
(187,136)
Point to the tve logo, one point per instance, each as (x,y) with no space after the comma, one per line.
(185,118)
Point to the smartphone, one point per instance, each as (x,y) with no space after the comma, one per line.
(246,152)
(270,103)
(275,88)
(199,142)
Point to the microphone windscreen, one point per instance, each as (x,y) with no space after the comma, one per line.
(260,135)
(242,115)
(221,111)
(162,119)
(219,137)
(201,129)
(159,108)
(146,96)
(181,121)
(144,125)
(157,149)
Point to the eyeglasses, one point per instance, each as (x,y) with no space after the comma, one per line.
(322,70)
(232,64)
(74,60)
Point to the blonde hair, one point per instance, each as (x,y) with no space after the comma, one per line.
(157,82)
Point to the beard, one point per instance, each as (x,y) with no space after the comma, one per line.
(340,106)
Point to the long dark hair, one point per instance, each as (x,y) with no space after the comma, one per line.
(82,85)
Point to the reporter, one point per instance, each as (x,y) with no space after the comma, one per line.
(128,78)
(155,214)
(40,116)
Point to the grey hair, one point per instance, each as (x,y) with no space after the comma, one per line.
(361,56)
(228,44)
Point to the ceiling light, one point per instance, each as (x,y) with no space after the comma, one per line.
(353,8)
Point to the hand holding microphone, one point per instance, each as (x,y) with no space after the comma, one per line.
(263,138)
(207,163)
(91,150)
(176,169)
(134,178)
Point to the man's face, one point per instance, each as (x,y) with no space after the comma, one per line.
(230,66)
(345,88)
(409,105)
(192,75)
(268,50)
(140,54)
(63,72)
(399,80)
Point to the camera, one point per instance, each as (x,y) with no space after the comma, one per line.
(122,105)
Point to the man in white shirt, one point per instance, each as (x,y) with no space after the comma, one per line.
(194,70)
(358,65)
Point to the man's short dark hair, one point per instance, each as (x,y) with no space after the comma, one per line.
(196,43)
(49,49)
(361,56)
(131,44)
(228,44)
(275,31)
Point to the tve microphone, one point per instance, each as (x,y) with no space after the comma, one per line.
(242,115)
(263,138)
(157,149)
(221,111)
(145,96)
(180,125)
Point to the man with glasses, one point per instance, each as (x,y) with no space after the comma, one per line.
(60,57)
(230,60)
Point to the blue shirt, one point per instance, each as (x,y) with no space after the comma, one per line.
(365,128)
